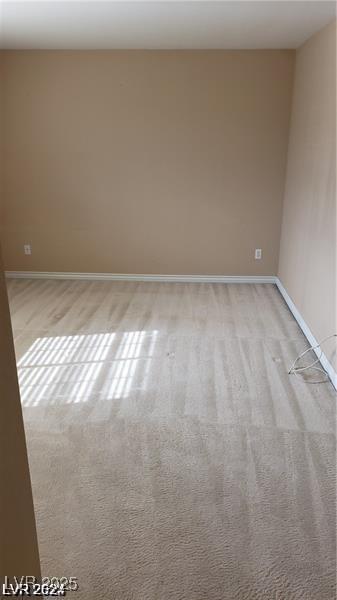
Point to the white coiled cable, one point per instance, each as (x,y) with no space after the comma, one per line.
(294,369)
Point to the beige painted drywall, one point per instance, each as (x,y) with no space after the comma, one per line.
(18,544)
(1,142)
(145,161)
(308,244)
(18,541)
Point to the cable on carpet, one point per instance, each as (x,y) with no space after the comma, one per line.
(294,369)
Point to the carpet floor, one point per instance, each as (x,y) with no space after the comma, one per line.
(172,456)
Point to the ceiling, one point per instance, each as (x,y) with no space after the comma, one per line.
(161,24)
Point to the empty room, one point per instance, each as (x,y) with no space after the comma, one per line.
(168,326)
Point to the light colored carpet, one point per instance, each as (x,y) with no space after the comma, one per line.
(172,456)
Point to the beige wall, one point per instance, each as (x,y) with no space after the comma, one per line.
(18,541)
(308,246)
(145,161)
(1,141)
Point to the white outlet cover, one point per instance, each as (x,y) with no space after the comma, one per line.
(258,254)
(27,249)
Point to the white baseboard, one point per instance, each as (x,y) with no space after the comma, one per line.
(308,334)
(142,277)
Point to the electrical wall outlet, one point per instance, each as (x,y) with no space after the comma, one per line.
(258,253)
(27,249)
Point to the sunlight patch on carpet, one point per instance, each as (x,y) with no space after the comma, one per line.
(69,369)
